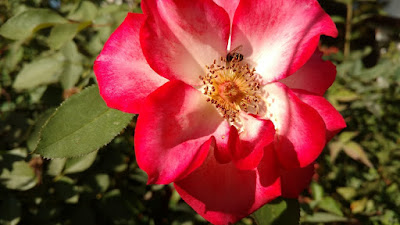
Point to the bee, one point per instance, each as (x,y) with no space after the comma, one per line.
(234,55)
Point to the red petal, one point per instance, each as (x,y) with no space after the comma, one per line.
(223,194)
(279,36)
(256,135)
(222,152)
(334,122)
(315,76)
(124,76)
(173,132)
(180,37)
(300,135)
(296,180)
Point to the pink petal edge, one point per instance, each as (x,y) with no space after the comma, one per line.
(300,130)
(315,76)
(334,122)
(256,135)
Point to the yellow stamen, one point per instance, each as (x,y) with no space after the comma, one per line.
(232,87)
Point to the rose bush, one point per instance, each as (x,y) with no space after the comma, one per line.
(229,96)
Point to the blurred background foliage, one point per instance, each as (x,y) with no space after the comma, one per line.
(47,49)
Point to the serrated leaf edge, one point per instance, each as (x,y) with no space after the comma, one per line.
(52,115)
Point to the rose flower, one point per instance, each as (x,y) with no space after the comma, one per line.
(229,96)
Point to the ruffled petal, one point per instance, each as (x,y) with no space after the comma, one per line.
(279,36)
(174,132)
(315,76)
(124,76)
(300,130)
(334,122)
(223,194)
(179,38)
(296,180)
(249,149)
(222,151)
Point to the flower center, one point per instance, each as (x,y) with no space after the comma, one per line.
(230,92)
(232,87)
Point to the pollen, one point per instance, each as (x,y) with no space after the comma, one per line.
(232,87)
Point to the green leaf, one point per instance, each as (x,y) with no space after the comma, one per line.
(279,211)
(14,56)
(338,19)
(34,138)
(323,218)
(22,25)
(101,182)
(356,152)
(85,11)
(317,191)
(330,205)
(70,75)
(344,95)
(81,125)
(362,18)
(334,150)
(62,33)
(20,177)
(41,71)
(56,166)
(73,67)
(358,206)
(95,45)
(347,193)
(343,1)
(346,136)
(76,165)
(36,94)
